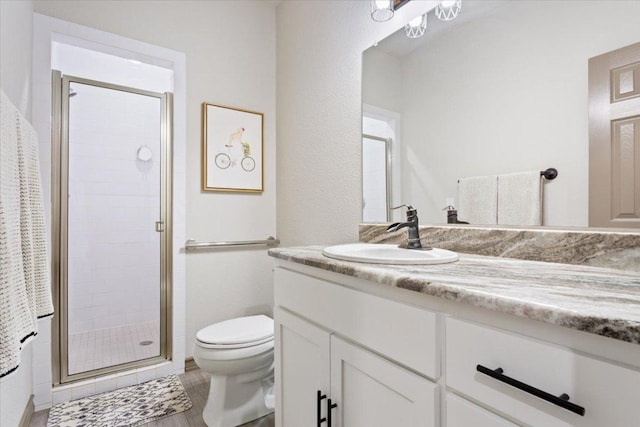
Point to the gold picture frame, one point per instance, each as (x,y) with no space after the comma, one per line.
(232,149)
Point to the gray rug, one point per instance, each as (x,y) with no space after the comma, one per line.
(129,406)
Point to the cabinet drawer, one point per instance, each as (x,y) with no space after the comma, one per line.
(462,413)
(400,332)
(609,394)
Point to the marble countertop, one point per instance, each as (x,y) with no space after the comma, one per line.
(596,300)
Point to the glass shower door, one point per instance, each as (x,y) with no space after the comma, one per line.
(113,238)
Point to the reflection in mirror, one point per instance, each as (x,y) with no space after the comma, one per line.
(502,89)
(375,178)
(380,165)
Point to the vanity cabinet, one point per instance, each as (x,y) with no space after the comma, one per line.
(317,367)
(302,368)
(372,391)
(462,413)
(598,393)
(420,362)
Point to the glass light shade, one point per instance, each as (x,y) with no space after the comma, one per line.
(381,10)
(448,9)
(416,27)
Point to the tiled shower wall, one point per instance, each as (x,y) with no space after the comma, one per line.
(114,201)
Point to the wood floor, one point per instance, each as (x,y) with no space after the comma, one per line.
(197,385)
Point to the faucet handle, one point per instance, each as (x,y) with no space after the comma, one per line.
(412,214)
(409,207)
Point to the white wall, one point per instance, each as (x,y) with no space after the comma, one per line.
(382,80)
(15,43)
(508,93)
(15,79)
(320,115)
(230,51)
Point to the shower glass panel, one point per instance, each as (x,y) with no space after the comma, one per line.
(376,184)
(113,154)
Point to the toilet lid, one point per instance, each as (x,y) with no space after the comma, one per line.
(241,330)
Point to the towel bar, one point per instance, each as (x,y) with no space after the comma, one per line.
(549,174)
(269,241)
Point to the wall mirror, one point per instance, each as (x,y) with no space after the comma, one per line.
(503,88)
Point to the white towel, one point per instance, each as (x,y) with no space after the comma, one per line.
(478,199)
(520,199)
(25,289)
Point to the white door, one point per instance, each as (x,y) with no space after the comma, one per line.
(302,371)
(614,138)
(374,392)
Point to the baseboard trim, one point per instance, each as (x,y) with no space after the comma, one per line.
(189,364)
(28,413)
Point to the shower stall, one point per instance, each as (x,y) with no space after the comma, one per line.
(111,227)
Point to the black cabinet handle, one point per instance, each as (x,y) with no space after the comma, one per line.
(319,397)
(562,400)
(330,406)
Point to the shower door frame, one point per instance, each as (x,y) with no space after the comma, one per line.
(59,228)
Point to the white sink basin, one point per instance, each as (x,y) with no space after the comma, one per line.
(388,254)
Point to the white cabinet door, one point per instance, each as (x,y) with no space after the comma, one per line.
(374,392)
(462,413)
(302,369)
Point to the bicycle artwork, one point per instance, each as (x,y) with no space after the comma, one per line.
(233,149)
(225,160)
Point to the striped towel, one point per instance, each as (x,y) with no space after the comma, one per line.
(25,288)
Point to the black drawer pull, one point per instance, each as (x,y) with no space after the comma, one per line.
(330,406)
(562,400)
(319,397)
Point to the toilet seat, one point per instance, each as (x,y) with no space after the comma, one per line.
(232,346)
(240,332)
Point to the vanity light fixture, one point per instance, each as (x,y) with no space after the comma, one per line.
(416,27)
(448,9)
(381,10)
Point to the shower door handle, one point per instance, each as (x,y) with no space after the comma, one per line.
(159,226)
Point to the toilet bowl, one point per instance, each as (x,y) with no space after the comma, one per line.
(238,354)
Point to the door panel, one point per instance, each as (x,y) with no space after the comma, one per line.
(302,363)
(614,139)
(374,392)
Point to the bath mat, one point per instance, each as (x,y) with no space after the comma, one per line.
(130,406)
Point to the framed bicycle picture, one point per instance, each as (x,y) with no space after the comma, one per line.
(232,149)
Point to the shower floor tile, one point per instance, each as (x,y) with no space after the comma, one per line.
(107,347)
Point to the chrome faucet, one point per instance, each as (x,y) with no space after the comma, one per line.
(411,225)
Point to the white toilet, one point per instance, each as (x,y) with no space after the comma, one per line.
(238,353)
